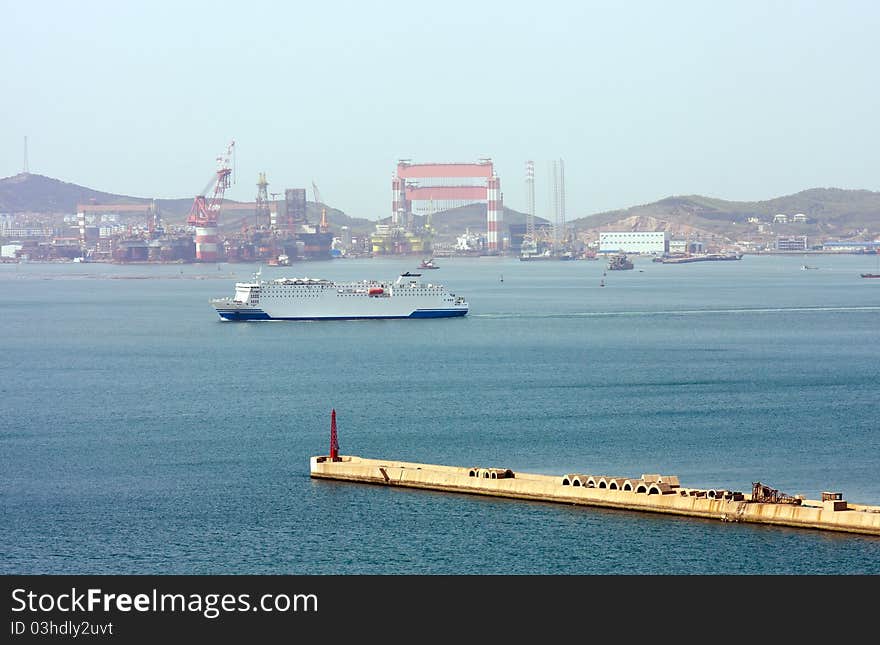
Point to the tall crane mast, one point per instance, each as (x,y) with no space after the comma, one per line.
(320,201)
(204,212)
(262,215)
(530,188)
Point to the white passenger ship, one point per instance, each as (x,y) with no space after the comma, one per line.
(319,299)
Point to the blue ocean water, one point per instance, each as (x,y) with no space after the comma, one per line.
(140,434)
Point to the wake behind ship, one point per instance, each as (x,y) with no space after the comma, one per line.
(319,299)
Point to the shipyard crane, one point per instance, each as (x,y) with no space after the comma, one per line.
(206,212)
(319,201)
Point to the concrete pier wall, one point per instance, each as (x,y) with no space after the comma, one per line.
(651,493)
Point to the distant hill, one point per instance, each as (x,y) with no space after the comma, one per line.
(27,192)
(32,193)
(40,194)
(830,212)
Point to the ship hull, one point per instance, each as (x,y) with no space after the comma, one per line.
(257,314)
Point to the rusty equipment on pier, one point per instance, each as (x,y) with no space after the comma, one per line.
(763,493)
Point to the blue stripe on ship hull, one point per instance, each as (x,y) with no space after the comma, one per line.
(437,313)
(244,314)
(257,314)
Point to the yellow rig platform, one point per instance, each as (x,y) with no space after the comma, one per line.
(648,493)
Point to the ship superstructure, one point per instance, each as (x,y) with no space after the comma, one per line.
(319,299)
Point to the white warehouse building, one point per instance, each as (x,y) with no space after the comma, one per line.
(648,242)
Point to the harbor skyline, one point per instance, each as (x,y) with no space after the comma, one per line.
(642,101)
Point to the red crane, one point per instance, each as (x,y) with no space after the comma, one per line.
(204,212)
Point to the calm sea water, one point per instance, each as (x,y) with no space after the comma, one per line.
(139,434)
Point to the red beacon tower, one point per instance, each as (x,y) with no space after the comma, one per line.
(334,442)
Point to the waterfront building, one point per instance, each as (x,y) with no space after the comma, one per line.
(646,242)
(793,243)
(684,246)
(852,246)
(10,250)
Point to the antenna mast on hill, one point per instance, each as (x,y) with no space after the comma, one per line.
(25,169)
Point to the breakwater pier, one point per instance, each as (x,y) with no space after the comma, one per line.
(647,493)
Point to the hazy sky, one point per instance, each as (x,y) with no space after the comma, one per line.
(743,100)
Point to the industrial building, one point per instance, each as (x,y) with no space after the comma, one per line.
(424,189)
(852,246)
(643,242)
(682,247)
(794,243)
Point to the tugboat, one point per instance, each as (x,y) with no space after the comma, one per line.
(619,262)
(428,264)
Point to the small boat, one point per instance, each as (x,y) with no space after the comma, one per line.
(871,275)
(619,262)
(428,264)
(805,267)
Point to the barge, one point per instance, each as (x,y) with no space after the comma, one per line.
(703,257)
